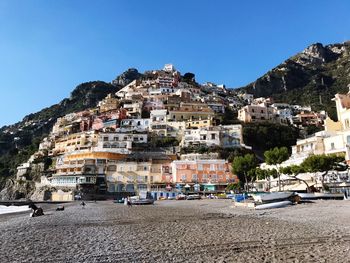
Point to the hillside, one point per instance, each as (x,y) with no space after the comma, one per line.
(19,141)
(311,77)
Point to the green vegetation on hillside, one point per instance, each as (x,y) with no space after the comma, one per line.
(265,136)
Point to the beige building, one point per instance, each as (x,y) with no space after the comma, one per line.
(108,103)
(128,175)
(257,113)
(197,124)
(74,142)
(191,111)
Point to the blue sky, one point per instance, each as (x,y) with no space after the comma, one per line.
(49,47)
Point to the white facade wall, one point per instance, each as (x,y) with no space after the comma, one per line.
(119,142)
(136,124)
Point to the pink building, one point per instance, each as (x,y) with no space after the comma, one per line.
(213,174)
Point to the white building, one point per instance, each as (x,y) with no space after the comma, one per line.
(158,116)
(119,142)
(169,68)
(140,125)
(225,136)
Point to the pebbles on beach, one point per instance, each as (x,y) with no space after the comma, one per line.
(179,231)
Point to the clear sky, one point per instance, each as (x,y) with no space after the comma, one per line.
(48,47)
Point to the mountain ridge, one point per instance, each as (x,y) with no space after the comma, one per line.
(311,77)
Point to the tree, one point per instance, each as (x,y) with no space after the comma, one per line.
(241,165)
(323,163)
(189,77)
(294,171)
(265,136)
(276,156)
(233,186)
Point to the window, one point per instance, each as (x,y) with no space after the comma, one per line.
(262,111)
(194,177)
(116,138)
(183,178)
(332,146)
(166,169)
(200,167)
(105,139)
(213,136)
(253,110)
(112,168)
(212,167)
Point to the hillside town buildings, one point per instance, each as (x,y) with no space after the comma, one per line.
(148,136)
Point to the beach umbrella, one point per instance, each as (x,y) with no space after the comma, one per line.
(187,186)
(168,187)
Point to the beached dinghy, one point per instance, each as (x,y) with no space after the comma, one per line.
(273,205)
(143,202)
(311,196)
(272,197)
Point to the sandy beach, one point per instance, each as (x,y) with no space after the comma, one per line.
(179,231)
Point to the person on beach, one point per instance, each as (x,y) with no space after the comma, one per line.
(129,202)
(83,204)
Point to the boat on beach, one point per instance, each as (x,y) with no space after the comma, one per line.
(142,202)
(311,196)
(193,197)
(273,205)
(271,197)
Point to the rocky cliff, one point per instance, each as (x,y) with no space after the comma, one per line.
(311,77)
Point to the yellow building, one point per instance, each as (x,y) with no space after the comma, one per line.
(197,124)
(74,142)
(196,111)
